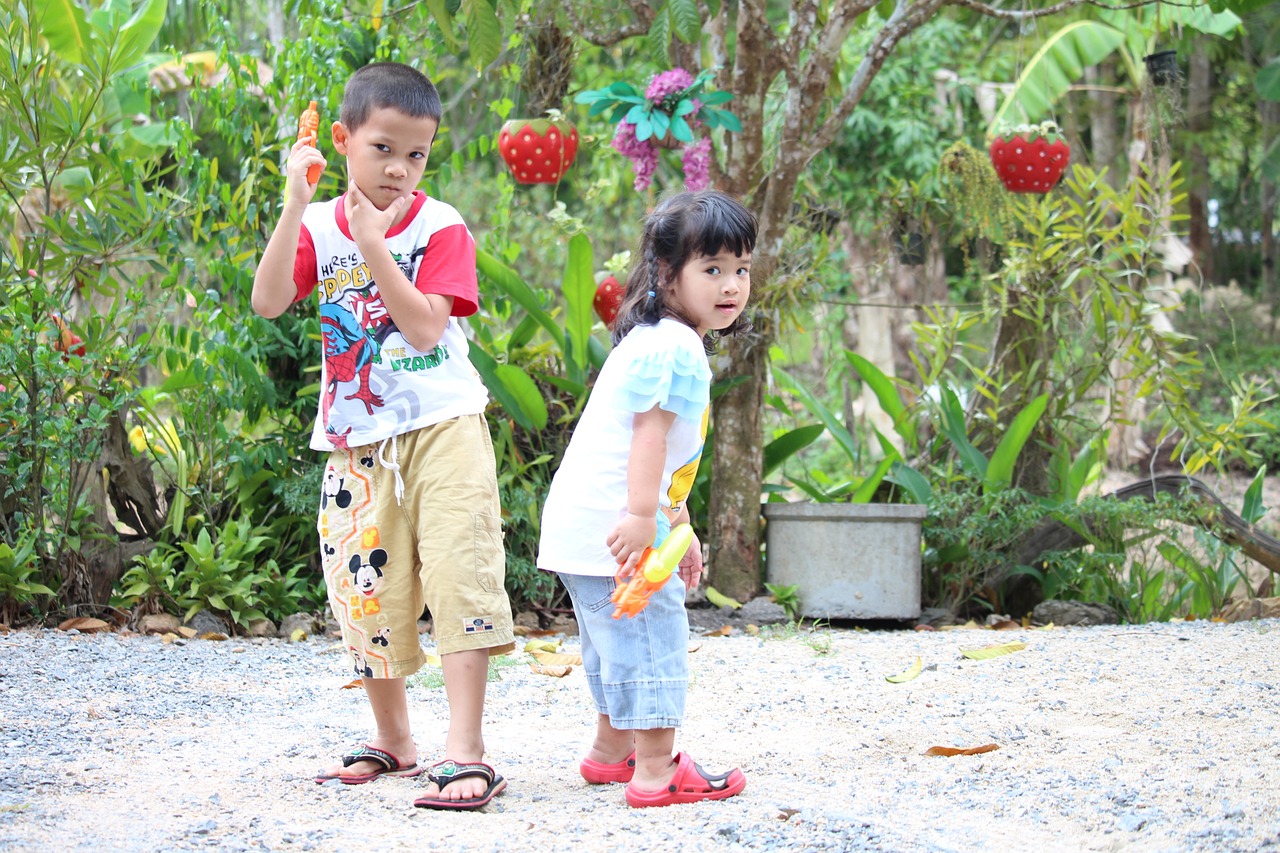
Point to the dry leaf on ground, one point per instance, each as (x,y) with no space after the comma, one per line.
(952,750)
(722,631)
(910,672)
(988,652)
(84,624)
(353,685)
(557,659)
(551,670)
(189,633)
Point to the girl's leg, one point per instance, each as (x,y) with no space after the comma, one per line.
(611,746)
(655,764)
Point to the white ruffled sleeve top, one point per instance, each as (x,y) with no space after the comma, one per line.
(661,365)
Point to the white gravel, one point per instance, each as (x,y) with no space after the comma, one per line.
(1158,737)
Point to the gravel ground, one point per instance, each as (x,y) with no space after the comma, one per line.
(1159,737)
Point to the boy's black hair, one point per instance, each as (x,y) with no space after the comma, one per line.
(388,84)
(683,226)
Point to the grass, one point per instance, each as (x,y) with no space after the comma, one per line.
(432,677)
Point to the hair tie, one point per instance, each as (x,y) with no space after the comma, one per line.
(652,294)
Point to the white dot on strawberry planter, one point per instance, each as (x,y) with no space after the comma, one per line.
(515,152)
(1028,168)
(1017,150)
(538,175)
(554,176)
(537,151)
(528,162)
(528,137)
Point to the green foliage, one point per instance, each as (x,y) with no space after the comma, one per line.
(787,596)
(671,114)
(19,588)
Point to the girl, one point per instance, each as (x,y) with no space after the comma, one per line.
(623,483)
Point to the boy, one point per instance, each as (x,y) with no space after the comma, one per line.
(409,512)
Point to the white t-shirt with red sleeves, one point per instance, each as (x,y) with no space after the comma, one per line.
(375,384)
(662,365)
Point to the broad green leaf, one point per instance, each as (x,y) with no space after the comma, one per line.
(789,444)
(988,652)
(887,394)
(912,481)
(685,20)
(719,599)
(444,21)
(953,427)
(1267,81)
(1253,508)
(140,31)
(1058,63)
(822,413)
(484,33)
(867,488)
(1000,468)
(908,674)
(579,287)
(512,388)
(67,29)
(659,38)
(515,288)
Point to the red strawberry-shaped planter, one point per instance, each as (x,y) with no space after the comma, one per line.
(538,151)
(607,300)
(1029,166)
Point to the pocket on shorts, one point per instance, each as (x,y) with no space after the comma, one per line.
(491,558)
(586,591)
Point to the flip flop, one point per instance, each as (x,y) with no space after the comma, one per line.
(690,784)
(448,771)
(391,766)
(599,773)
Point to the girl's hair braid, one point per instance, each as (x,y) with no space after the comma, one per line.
(680,227)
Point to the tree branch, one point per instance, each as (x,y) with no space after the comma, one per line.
(608,38)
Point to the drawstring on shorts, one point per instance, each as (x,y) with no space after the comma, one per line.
(393,466)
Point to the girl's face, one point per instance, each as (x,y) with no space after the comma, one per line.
(711,291)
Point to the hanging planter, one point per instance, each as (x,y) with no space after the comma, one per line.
(1162,67)
(672,113)
(910,247)
(539,150)
(607,300)
(1030,158)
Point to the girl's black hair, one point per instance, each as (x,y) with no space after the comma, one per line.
(683,226)
(388,84)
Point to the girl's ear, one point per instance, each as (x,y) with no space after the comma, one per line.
(340,137)
(664,272)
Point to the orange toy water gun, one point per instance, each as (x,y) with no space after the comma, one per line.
(309,128)
(632,595)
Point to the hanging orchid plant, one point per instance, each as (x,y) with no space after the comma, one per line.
(671,113)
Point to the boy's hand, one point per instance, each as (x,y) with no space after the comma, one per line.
(366,221)
(302,156)
(628,540)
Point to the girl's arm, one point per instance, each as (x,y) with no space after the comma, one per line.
(635,531)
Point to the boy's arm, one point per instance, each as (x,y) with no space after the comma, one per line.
(273,287)
(420,317)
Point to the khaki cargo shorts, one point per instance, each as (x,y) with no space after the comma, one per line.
(438,545)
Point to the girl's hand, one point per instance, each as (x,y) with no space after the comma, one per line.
(302,156)
(364,218)
(691,564)
(628,540)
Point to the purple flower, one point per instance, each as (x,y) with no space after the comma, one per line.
(668,83)
(644,157)
(697,164)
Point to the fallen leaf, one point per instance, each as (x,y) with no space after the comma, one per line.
(722,631)
(923,627)
(988,652)
(168,638)
(189,633)
(693,647)
(297,636)
(557,659)
(84,624)
(719,599)
(542,646)
(353,685)
(753,630)
(784,814)
(434,660)
(522,631)
(213,635)
(1006,625)
(553,671)
(951,750)
(910,673)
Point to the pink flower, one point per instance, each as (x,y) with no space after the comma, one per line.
(668,83)
(697,164)
(644,157)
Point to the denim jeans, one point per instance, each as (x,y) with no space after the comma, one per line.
(637,667)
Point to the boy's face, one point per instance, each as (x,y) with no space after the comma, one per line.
(387,154)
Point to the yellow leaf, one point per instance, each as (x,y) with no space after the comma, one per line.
(189,633)
(553,671)
(434,660)
(557,659)
(951,750)
(297,636)
(212,635)
(753,630)
(542,646)
(910,673)
(722,631)
(168,638)
(988,652)
(719,599)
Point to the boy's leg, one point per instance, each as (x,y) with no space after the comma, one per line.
(390,707)
(465,677)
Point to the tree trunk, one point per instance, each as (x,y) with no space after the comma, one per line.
(1199,120)
(1105,135)
(737,473)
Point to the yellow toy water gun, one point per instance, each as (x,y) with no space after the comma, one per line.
(309,128)
(632,595)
